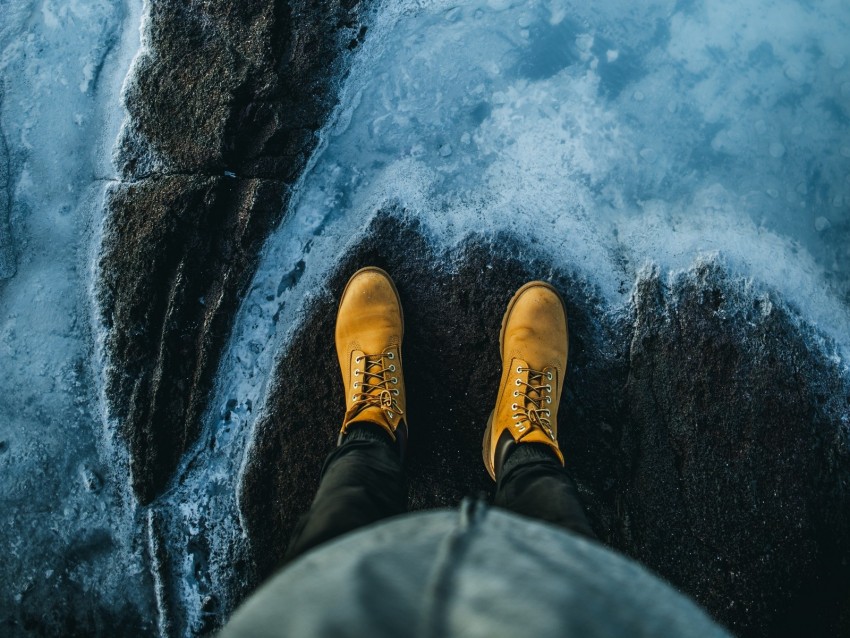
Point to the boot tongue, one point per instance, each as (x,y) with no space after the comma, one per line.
(522,402)
(534,430)
(534,403)
(380,405)
(373,376)
(536,395)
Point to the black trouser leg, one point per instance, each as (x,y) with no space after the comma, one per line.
(362,482)
(533,483)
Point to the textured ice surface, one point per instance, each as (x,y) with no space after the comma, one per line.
(608,135)
(71,551)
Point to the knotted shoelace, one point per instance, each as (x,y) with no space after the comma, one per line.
(535,393)
(374,389)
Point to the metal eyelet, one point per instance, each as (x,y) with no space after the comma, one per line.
(395,391)
(549,376)
(548,399)
(519,369)
(516,393)
(514,406)
(357,372)
(521,428)
(354,397)
(356,383)
(392,368)
(518,382)
(358,359)
(395,379)
(390,355)
(549,388)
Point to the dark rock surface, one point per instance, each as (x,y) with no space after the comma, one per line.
(176,252)
(240,86)
(706,428)
(734,461)
(224,105)
(453,306)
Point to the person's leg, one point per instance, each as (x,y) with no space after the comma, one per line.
(533,483)
(520,446)
(362,482)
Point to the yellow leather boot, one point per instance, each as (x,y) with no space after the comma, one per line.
(369,331)
(533,343)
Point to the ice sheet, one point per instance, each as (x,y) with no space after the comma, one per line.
(69,525)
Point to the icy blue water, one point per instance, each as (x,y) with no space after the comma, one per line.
(643,131)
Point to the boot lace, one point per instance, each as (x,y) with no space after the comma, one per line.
(535,394)
(375,389)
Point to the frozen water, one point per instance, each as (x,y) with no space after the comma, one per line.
(607,135)
(69,531)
